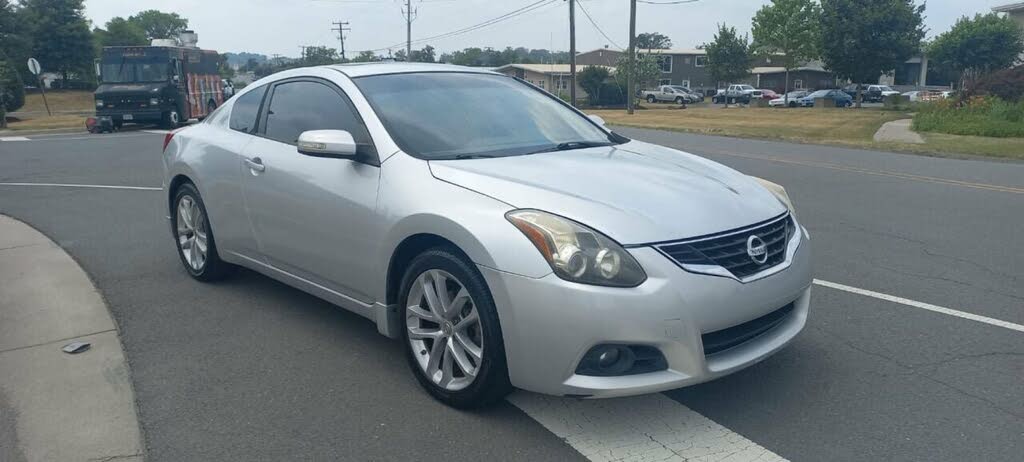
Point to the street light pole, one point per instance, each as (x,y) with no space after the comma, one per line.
(572,52)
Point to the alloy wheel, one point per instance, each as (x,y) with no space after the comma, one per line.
(192,233)
(444,330)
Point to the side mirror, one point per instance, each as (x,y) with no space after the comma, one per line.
(327,143)
(596,119)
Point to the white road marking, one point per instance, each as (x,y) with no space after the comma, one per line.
(922,305)
(157,132)
(94,186)
(14,138)
(640,428)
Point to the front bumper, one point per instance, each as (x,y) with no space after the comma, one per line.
(137,115)
(549,324)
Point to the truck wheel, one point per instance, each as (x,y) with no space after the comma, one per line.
(651,99)
(680,101)
(171,119)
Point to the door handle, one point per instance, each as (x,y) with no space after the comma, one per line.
(255,164)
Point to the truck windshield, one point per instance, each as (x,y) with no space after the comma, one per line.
(449,115)
(128,72)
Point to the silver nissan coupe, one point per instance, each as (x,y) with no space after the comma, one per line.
(505,238)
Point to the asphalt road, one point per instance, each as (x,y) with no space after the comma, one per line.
(250,369)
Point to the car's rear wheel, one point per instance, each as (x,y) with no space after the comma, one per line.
(792,104)
(451,332)
(193,236)
(651,99)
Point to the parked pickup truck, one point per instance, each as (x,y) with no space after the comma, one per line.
(666,94)
(737,93)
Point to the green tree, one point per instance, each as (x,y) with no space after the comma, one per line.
(61,38)
(974,47)
(591,79)
(224,67)
(653,41)
(863,39)
(160,25)
(729,57)
(16,38)
(645,72)
(366,57)
(319,56)
(12,90)
(787,30)
(121,32)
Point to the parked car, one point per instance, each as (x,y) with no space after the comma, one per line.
(877,93)
(695,97)
(792,100)
(736,93)
(768,94)
(505,245)
(840,98)
(667,93)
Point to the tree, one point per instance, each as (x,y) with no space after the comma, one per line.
(160,25)
(787,30)
(653,41)
(224,67)
(425,55)
(16,38)
(366,57)
(12,90)
(974,47)
(863,39)
(121,32)
(728,56)
(319,56)
(61,38)
(645,70)
(591,79)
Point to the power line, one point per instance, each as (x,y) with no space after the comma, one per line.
(599,30)
(510,15)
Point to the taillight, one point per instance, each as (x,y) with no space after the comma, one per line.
(167,139)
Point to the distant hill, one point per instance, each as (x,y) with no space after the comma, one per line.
(240,59)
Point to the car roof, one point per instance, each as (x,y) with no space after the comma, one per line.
(354,70)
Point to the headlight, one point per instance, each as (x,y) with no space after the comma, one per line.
(577,253)
(778,191)
(99,103)
(154,101)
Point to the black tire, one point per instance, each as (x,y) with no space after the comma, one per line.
(170,119)
(491,383)
(651,99)
(214,268)
(792,104)
(680,101)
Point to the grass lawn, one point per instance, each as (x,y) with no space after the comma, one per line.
(846,127)
(60,101)
(47,123)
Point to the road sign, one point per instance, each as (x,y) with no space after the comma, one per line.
(34,66)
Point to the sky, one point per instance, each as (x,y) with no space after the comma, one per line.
(283,26)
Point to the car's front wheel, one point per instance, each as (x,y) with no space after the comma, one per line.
(651,99)
(194,236)
(452,336)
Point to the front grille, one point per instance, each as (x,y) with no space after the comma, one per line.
(729,249)
(721,340)
(126,103)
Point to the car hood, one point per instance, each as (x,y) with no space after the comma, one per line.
(634,193)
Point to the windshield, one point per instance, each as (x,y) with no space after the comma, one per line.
(818,94)
(680,89)
(128,72)
(453,115)
(885,88)
(746,87)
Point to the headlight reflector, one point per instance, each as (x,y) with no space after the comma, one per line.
(154,101)
(99,103)
(577,253)
(779,192)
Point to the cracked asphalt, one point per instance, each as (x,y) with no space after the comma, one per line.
(251,369)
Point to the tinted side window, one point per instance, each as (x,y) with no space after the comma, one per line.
(243,113)
(296,107)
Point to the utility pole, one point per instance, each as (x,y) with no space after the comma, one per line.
(410,15)
(303,47)
(630,93)
(572,52)
(341,29)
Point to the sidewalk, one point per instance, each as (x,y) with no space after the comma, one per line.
(56,406)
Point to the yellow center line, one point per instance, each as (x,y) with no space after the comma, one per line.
(906,176)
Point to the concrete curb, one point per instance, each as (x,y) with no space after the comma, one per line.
(58,406)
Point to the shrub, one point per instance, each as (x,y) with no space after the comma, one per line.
(1007,84)
(12,90)
(980,116)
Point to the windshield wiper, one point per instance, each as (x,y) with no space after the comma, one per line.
(570,145)
(473,156)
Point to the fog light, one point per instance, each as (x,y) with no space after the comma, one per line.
(608,358)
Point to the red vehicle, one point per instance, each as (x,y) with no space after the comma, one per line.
(769,95)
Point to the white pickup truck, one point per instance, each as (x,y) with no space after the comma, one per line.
(667,93)
(737,93)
